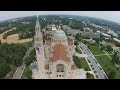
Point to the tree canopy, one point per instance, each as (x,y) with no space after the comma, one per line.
(11,54)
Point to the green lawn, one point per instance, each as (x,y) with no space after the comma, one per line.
(107,65)
(95,50)
(81,63)
(111,56)
(108,52)
(84,64)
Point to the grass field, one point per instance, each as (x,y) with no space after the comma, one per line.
(95,50)
(107,65)
(108,52)
(105,61)
(81,63)
(84,64)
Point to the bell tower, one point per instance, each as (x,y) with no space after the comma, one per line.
(38,34)
(39,48)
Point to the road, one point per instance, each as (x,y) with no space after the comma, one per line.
(19,71)
(96,67)
(99,73)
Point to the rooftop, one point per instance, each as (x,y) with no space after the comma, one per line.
(59,52)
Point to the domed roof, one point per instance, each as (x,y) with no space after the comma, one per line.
(59,34)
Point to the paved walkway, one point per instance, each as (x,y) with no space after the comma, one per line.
(80,55)
(107,55)
(20,70)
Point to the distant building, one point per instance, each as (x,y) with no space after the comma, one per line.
(98,32)
(67,29)
(50,29)
(103,43)
(88,29)
(89,40)
(112,33)
(117,49)
(73,31)
(107,44)
(117,40)
(90,34)
(106,35)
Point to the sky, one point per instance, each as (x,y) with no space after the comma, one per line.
(108,15)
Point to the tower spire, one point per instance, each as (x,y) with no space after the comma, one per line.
(39,48)
(37,21)
(38,27)
(37,18)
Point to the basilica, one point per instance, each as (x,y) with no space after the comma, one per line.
(54,58)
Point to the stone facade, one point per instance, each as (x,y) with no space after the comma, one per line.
(55,58)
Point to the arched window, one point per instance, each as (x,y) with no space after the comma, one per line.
(60,68)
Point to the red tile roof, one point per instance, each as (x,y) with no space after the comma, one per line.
(59,52)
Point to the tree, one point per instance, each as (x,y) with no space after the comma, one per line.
(89,76)
(30,58)
(86,69)
(102,48)
(112,74)
(17,61)
(109,48)
(117,60)
(77,36)
(76,43)
(88,46)
(78,50)
(77,61)
(28,61)
(114,58)
(117,43)
(4,69)
(97,40)
(85,42)
(101,37)
(28,73)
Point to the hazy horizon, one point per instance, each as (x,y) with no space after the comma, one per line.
(107,15)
